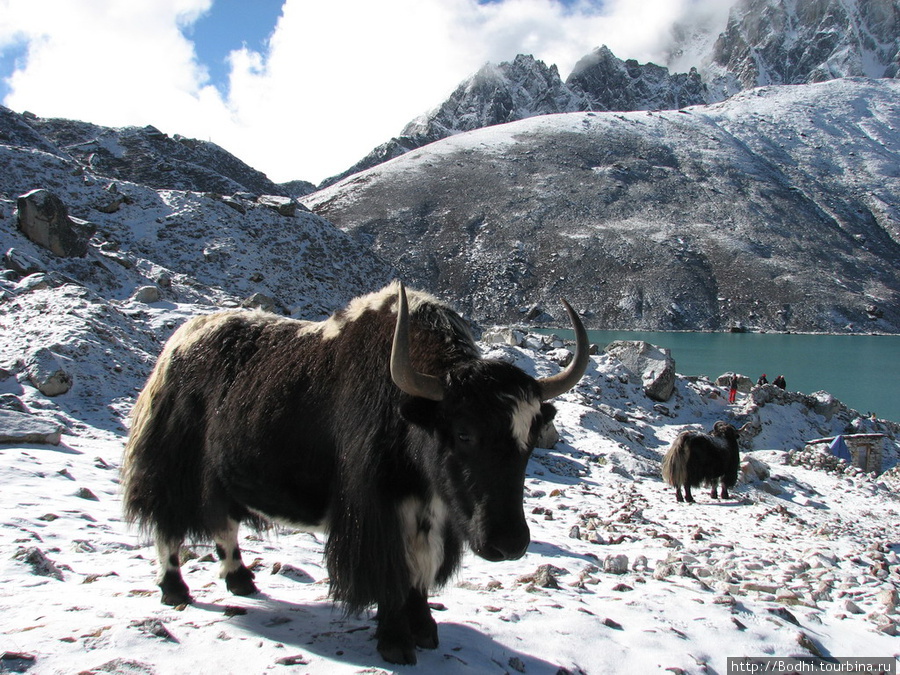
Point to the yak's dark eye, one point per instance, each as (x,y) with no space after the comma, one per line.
(465,438)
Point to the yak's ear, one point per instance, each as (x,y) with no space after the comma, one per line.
(420,411)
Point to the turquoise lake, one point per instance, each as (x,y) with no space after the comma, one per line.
(862,371)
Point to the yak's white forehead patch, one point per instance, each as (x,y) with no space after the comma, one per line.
(523,415)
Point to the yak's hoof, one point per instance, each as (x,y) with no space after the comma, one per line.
(240,582)
(427,637)
(174,591)
(402,652)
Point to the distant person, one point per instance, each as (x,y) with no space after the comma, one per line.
(762,380)
(779,382)
(732,388)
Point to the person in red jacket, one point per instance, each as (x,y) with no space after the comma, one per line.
(732,388)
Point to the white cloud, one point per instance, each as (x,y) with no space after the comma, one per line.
(338,78)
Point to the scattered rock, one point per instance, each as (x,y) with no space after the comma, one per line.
(21,263)
(501,335)
(146,294)
(16,662)
(260,301)
(84,493)
(43,218)
(154,627)
(21,427)
(653,366)
(40,564)
(295,660)
(809,645)
(292,572)
(47,373)
(850,606)
(285,206)
(615,564)
(124,667)
(516,664)
(889,599)
(782,613)
(543,577)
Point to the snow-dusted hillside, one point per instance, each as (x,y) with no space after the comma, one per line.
(776,209)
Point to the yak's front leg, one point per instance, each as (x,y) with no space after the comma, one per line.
(688,497)
(238,577)
(725,494)
(174,591)
(714,492)
(402,629)
(678,496)
(421,623)
(396,643)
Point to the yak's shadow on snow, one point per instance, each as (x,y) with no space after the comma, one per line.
(320,628)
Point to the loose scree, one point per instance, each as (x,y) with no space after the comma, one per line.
(382,425)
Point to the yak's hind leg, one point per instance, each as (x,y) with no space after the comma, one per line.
(238,577)
(174,591)
(725,494)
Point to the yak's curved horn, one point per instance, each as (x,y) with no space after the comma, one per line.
(561,382)
(403,374)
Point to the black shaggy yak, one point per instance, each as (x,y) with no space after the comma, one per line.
(696,458)
(382,425)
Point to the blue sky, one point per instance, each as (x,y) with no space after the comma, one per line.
(230,25)
(296,88)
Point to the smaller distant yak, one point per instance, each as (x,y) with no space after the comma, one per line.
(696,458)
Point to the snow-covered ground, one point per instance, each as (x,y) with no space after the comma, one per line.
(618,578)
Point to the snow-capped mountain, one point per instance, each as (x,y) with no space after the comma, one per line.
(764,42)
(775,209)
(609,83)
(495,94)
(800,41)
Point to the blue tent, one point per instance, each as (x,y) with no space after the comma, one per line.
(839,449)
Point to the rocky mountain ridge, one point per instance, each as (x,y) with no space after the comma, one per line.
(142,155)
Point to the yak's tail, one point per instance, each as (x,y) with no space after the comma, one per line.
(138,449)
(162,462)
(675,462)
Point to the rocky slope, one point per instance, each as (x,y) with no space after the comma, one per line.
(775,209)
